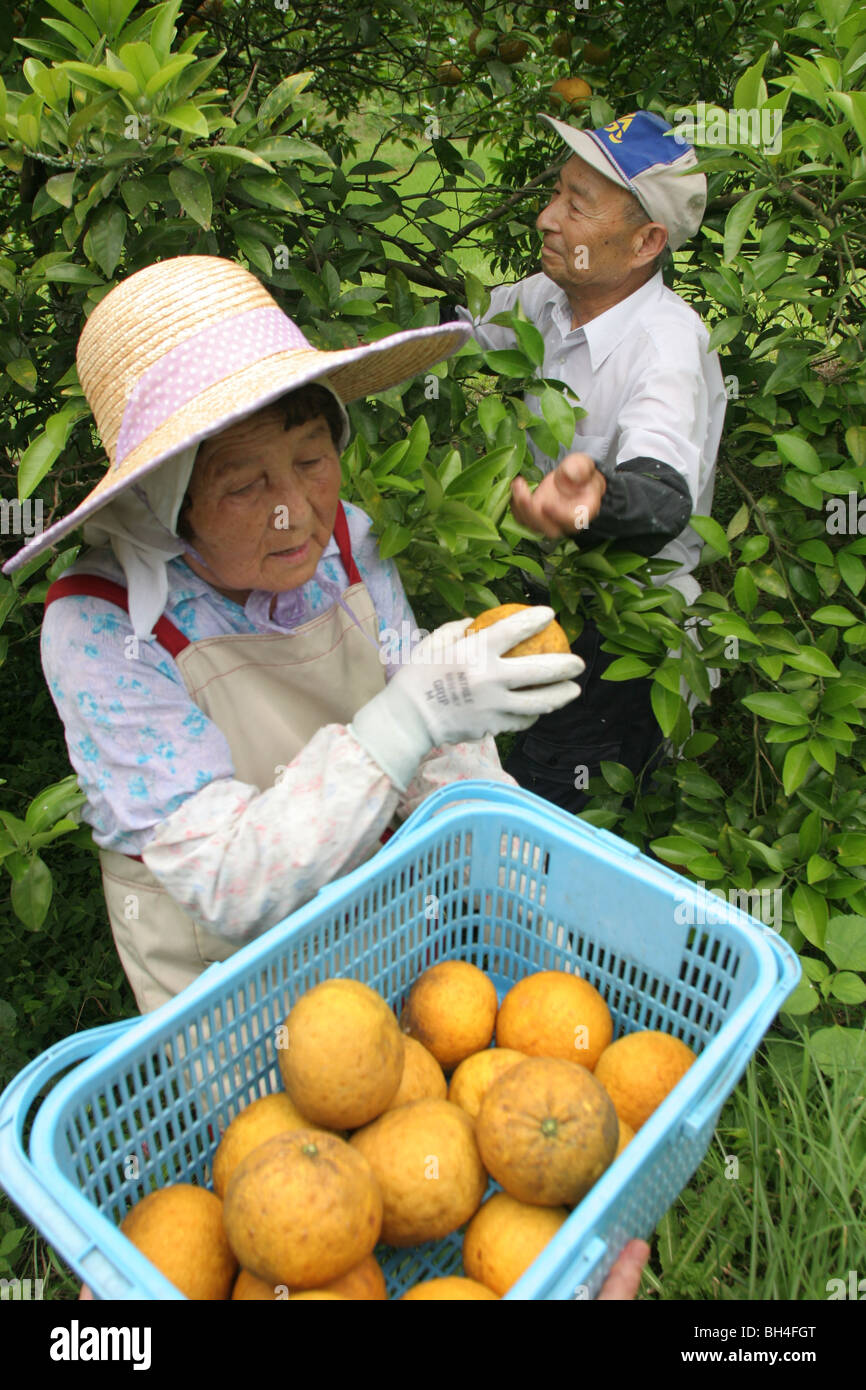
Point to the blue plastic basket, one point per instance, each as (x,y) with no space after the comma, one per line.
(484,873)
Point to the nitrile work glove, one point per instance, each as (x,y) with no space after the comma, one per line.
(456,688)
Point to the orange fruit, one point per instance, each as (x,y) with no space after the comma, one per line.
(505,1236)
(550,639)
(342,1057)
(597,53)
(422,1079)
(451,1287)
(626,1134)
(554,1014)
(476,1074)
(365,1283)
(257,1122)
(449,75)
(572,91)
(513,50)
(427,1165)
(318,1294)
(451,1010)
(302,1209)
(546,1131)
(485,52)
(639,1070)
(179,1228)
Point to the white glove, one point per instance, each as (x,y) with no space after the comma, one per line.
(457,688)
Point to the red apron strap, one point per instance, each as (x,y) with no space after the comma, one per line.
(341,535)
(95,586)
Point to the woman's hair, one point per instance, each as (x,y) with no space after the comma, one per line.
(298,407)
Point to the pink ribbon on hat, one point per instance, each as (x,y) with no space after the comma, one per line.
(209,355)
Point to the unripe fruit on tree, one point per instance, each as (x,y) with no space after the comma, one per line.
(561,45)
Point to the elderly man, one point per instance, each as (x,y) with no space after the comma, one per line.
(643,457)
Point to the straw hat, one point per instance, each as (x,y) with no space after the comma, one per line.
(183,348)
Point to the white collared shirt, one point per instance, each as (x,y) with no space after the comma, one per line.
(642,373)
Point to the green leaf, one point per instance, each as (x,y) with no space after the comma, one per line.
(803,999)
(60,186)
(107,233)
(810,913)
(848,988)
(618,777)
(798,451)
(738,222)
(745,590)
(558,415)
(627,668)
(782,709)
(835,615)
(282,96)
(797,762)
(508,362)
(840,1048)
(23,372)
(667,707)
(31,894)
(192,189)
(711,532)
(813,660)
(187,117)
(845,942)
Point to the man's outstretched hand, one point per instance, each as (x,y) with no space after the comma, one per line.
(565,501)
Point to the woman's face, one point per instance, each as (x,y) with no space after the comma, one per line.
(263,503)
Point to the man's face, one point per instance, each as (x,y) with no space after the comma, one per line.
(258,490)
(589,238)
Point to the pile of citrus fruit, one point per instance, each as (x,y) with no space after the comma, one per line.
(370,1143)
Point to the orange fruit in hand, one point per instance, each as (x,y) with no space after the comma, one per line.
(550,639)
(546,1131)
(505,1236)
(451,1010)
(639,1070)
(476,1074)
(554,1014)
(342,1056)
(427,1165)
(451,1288)
(423,1078)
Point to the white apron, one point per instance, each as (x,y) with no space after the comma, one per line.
(268,694)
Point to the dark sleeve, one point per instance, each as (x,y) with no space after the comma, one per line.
(646,503)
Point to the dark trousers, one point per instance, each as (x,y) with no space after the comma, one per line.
(610,721)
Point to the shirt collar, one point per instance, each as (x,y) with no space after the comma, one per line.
(606,332)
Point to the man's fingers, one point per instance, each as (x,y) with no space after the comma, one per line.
(623,1281)
(573,473)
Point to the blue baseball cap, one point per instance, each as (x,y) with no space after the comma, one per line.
(636,152)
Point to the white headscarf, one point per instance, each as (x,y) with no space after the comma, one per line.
(141,527)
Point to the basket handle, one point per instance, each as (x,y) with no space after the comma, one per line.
(20,1178)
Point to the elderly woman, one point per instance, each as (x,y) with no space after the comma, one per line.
(215,654)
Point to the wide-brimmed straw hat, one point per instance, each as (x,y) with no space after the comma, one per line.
(183,348)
